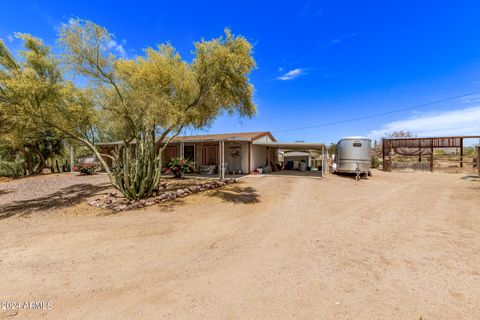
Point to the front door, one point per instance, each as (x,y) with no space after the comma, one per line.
(235,155)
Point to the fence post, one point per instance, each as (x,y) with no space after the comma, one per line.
(478,160)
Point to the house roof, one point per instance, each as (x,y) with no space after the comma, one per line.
(238,136)
(291,145)
(242,136)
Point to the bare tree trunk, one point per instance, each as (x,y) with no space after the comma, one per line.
(43,163)
(29,160)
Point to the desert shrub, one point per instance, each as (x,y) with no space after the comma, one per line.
(86,168)
(375,162)
(12,168)
(179,166)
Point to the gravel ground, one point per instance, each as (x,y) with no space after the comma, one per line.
(395,246)
(48,193)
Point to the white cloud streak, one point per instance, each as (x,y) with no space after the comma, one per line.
(292,74)
(118,48)
(445,123)
(10,38)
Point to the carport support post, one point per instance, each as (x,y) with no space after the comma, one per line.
(221,170)
(182,148)
(72,158)
(323,161)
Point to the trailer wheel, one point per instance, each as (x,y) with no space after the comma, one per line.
(369,173)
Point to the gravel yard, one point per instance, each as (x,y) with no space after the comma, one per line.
(48,193)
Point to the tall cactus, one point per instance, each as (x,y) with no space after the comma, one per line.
(138,168)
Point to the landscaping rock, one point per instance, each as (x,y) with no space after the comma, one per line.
(110,201)
(150,202)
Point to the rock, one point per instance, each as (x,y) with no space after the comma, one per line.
(149,202)
(142,202)
(180,192)
(135,205)
(119,207)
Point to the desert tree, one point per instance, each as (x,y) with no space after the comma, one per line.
(38,105)
(152,98)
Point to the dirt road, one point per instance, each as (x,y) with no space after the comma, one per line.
(398,246)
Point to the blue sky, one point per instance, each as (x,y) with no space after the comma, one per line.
(318,61)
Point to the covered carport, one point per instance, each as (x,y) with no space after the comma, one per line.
(296,146)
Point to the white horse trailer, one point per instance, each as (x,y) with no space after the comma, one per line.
(353,156)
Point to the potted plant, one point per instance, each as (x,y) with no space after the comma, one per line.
(179,166)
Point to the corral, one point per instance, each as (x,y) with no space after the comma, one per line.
(402,153)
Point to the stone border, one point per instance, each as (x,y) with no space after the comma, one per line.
(110,202)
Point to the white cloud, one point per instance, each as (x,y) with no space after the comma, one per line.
(10,38)
(292,74)
(112,44)
(445,123)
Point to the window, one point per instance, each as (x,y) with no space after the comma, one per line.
(211,155)
(357,144)
(189,153)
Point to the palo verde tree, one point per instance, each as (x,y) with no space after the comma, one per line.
(38,105)
(28,86)
(151,99)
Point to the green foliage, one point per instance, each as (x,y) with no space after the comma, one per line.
(86,169)
(12,168)
(10,164)
(38,108)
(332,148)
(439,152)
(179,166)
(159,92)
(150,99)
(138,168)
(375,162)
(469,152)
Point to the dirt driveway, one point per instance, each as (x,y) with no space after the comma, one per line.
(398,246)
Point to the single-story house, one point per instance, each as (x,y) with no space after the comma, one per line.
(242,152)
